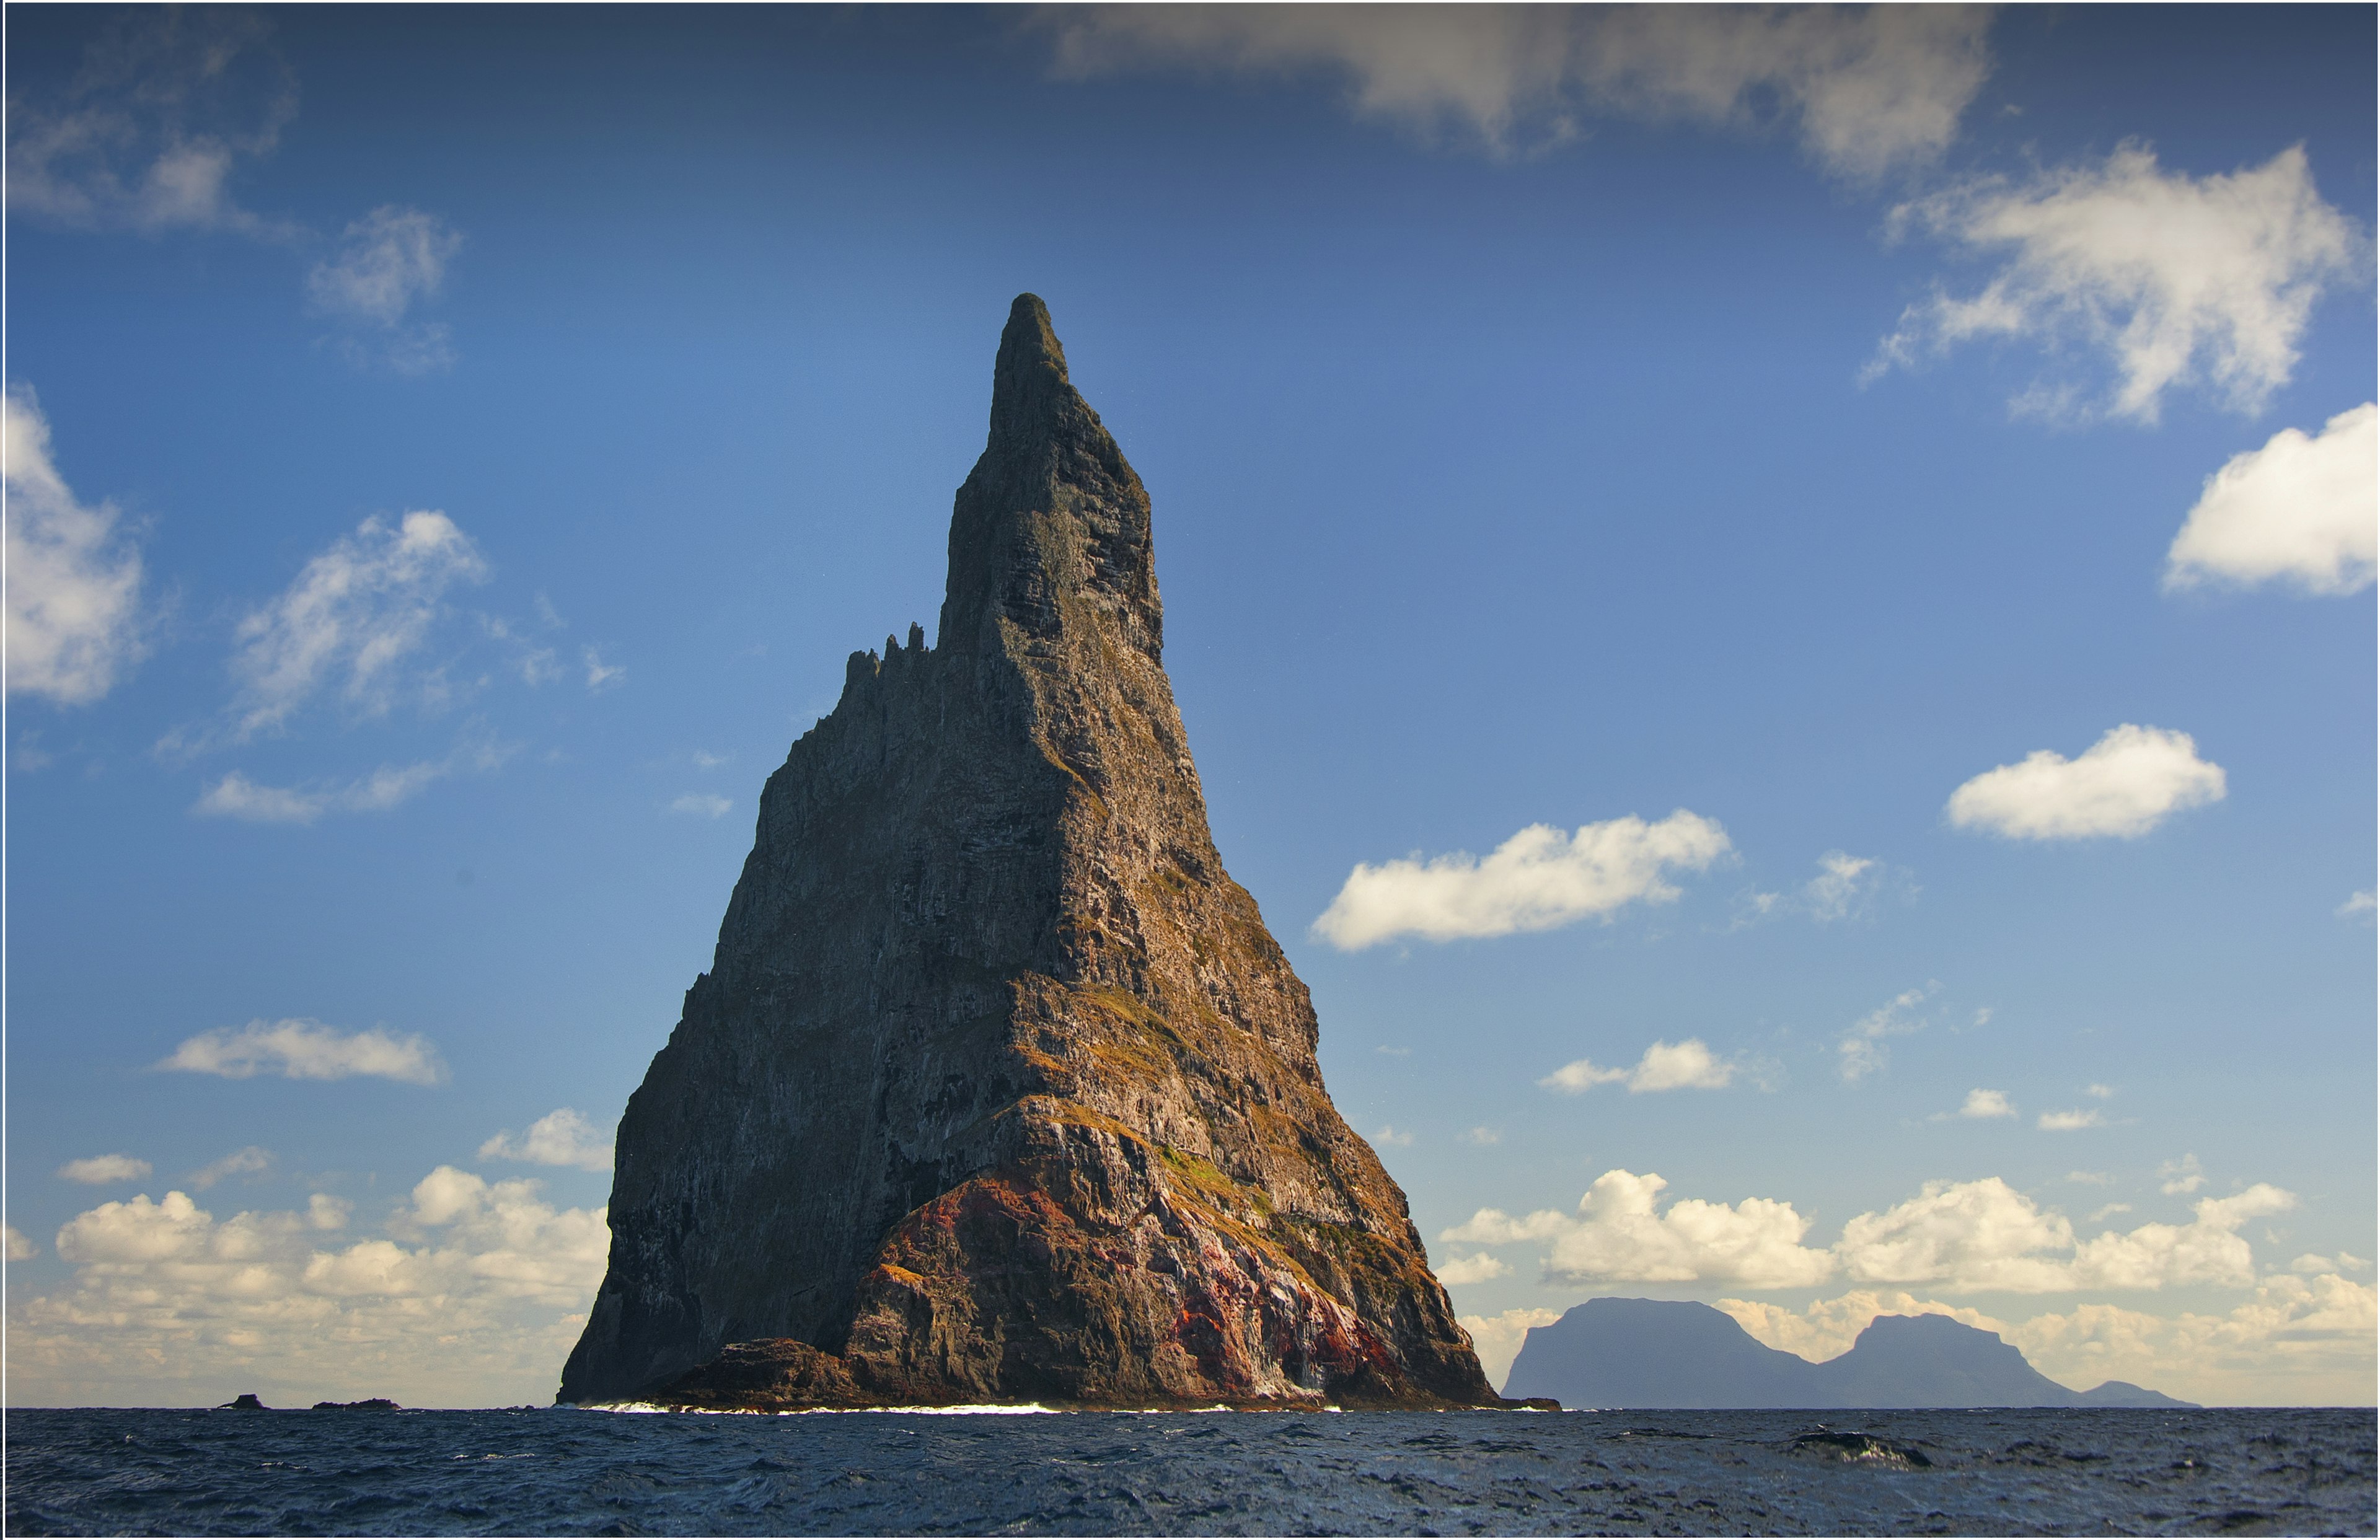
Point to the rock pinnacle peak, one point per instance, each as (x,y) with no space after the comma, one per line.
(998,1088)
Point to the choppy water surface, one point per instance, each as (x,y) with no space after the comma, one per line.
(551,1472)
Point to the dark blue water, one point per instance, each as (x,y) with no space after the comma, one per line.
(551,1472)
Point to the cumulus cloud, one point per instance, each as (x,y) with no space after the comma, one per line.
(1390,1135)
(1478,1268)
(1827,1328)
(99,1169)
(1689,1065)
(2362,902)
(72,613)
(147,134)
(2301,512)
(1498,1339)
(2174,280)
(1863,1050)
(1619,1234)
(351,619)
(1866,90)
(1981,1103)
(1959,1235)
(2185,1175)
(470,1294)
(299,1050)
(386,262)
(563,1137)
(2122,786)
(239,1162)
(704,805)
(1538,879)
(2067,1122)
(1987,1235)
(18,1248)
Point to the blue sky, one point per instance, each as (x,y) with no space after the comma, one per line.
(452,452)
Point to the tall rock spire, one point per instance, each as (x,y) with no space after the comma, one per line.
(998,1087)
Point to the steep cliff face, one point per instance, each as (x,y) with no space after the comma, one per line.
(998,1087)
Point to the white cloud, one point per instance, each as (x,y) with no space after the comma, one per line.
(239,1162)
(1863,1050)
(236,796)
(101,1168)
(2295,1342)
(2176,280)
(1987,1235)
(563,1137)
(1389,1134)
(1868,89)
(1478,1268)
(1689,1065)
(18,1248)
(1843,885)
(2345,1262)
(72,615)
(1484,1135)
(2068,1121)
(148,134)
(1981,1103)
(2102,1092)
(2361,903)
(2300,510)
(353,615)
(471,1295)
(1619,1236)
(307,1051)
(2109,1210)
(1498,1339)
(2185,1175)
(1538,879)
(707,805)
(388,260)
(2122,786)
(599,674)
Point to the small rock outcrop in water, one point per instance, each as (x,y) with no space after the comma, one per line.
(1616,1354)
(246,1401)
(377,1403)
(998,1088)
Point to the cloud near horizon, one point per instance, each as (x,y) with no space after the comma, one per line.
(472,1289)
(1539,879)
(2172,280)
(302,1049)
(2300,512)
(1980,1235)
(1867,90)
(72,616)
(2121,787)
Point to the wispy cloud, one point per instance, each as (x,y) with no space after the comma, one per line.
(1866,90)
(2173,280)
(563,1137)
(1863,1050)
(239,1162)
(2121,787)
(2185,1175)
(387,261)
(236,796)
(73,600)
(1688,1065)
(146,137)
(599,674)
(98,1170)
(1538,879)
(300,1049)
(2362,902)
(2301,512)
(703,804)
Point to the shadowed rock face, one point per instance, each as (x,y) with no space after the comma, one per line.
(998,1088)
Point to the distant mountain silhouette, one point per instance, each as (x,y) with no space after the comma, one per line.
(1615,1353)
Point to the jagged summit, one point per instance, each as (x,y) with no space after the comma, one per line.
(998,1087)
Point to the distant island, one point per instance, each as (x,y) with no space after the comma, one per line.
(1669,1354)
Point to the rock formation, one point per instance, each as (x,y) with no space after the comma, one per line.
(998,1088)
(1613,1354)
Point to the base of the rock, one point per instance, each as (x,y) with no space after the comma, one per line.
(783,1374)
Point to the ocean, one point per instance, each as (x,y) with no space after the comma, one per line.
(545,1471)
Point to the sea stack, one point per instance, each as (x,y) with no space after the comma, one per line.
(998,1088)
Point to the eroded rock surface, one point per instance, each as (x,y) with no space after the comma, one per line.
(998,1088)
